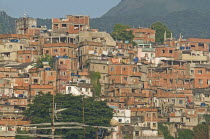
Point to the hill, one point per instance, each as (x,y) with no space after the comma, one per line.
(189,17)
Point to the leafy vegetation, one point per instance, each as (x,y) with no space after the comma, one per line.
(200,131)
(95,77)
(163,130)
(96,113)
(185,134)
(120,33)
(45,58)
(160,30)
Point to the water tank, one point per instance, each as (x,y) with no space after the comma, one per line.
(188,48)
(20,95)
(203,104)
(47,68)
(182,48)
(136,59)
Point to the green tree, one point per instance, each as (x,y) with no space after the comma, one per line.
(160,29)
(163,130)
(95,77)
(185,134)
(45,58)
(120,33)
(200,131)
(96,113)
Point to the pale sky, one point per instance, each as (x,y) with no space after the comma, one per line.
(56,8)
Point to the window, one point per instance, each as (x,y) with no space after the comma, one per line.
(208,81)
(35,80)
(170,51)
(199,71)
(173,100)
(134,69)
(124,68)
(47,51)
(206,95)
(200,81)
(182,72)
(21,47)
(120,120)
(27,57)
(180,101)
(55,25)
(64,50)
(191,71)
(201,44)
(76,27)
(55,50)
(26,80)
(163,51)
(111,69)
(50,83)
(64,25)
(104,67)
(63,73)
(136,133)
(125,78)
(61,62)
(154,125)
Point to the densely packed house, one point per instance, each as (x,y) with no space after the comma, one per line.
(145,84)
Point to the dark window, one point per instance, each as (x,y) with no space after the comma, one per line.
(170,51)
(35,80)
(136,133)
(64,25)
(199,71)
(201,44)
(163,51)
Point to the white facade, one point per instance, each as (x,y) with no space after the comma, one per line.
(122,115)
(77,91)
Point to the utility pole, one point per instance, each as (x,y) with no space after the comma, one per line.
(96,132)
(83,113)
(53,116)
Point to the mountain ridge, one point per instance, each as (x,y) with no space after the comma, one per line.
(174,13)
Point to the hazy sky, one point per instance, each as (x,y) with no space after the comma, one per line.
(57,8)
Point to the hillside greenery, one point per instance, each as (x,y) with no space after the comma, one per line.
(120,33)
(160,29)
(189,17)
